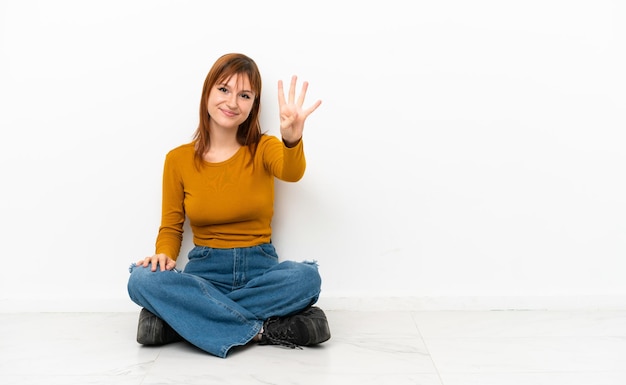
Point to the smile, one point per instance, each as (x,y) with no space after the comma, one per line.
(228,113)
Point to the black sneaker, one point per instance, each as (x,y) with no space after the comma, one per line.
(154,331)
(307,328)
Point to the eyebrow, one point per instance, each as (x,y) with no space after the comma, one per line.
(226,85)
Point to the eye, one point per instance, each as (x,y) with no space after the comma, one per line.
(246,96)
(222,89)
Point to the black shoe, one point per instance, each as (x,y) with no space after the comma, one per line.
(154,331)
(309,327)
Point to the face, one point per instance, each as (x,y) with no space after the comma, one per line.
(230,103)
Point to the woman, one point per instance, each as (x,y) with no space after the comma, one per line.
(233,290)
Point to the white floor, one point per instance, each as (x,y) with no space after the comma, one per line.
(443,348)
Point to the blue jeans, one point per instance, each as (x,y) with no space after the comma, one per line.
(223,296)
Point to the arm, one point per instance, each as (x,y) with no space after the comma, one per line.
(170,234)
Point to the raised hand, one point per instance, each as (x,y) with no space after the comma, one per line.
(292,115)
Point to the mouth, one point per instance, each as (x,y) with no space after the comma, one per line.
(228,113)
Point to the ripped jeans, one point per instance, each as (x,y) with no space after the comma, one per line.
(223,296)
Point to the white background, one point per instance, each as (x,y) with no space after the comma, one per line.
(466,153)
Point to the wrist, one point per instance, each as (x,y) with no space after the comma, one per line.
(291,143)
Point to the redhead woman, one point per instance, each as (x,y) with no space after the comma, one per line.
(233,291)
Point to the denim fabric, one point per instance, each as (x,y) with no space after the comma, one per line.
(223,296)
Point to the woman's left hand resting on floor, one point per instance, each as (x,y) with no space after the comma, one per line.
(163,261)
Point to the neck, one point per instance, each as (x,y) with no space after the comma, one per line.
(223,144)
(222,136)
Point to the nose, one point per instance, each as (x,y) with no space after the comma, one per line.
(232,100)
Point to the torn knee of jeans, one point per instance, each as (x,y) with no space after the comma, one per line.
(311,263)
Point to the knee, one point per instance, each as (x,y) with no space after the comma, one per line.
(135,278)
(312,275)
(140,277)
(306,273)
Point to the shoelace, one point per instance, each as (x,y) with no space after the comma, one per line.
(280,337)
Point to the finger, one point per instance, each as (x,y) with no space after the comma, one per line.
(281,94)
(305,86)
(310,110)
(162,262)
(292,89)
(154,263)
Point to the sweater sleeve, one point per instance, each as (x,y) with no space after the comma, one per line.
(170,234)
(285,163)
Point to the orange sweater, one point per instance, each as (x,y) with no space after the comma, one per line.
(230,203)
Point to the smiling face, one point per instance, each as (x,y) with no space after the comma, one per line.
(230,102)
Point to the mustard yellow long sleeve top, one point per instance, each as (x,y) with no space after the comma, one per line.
(230,203)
